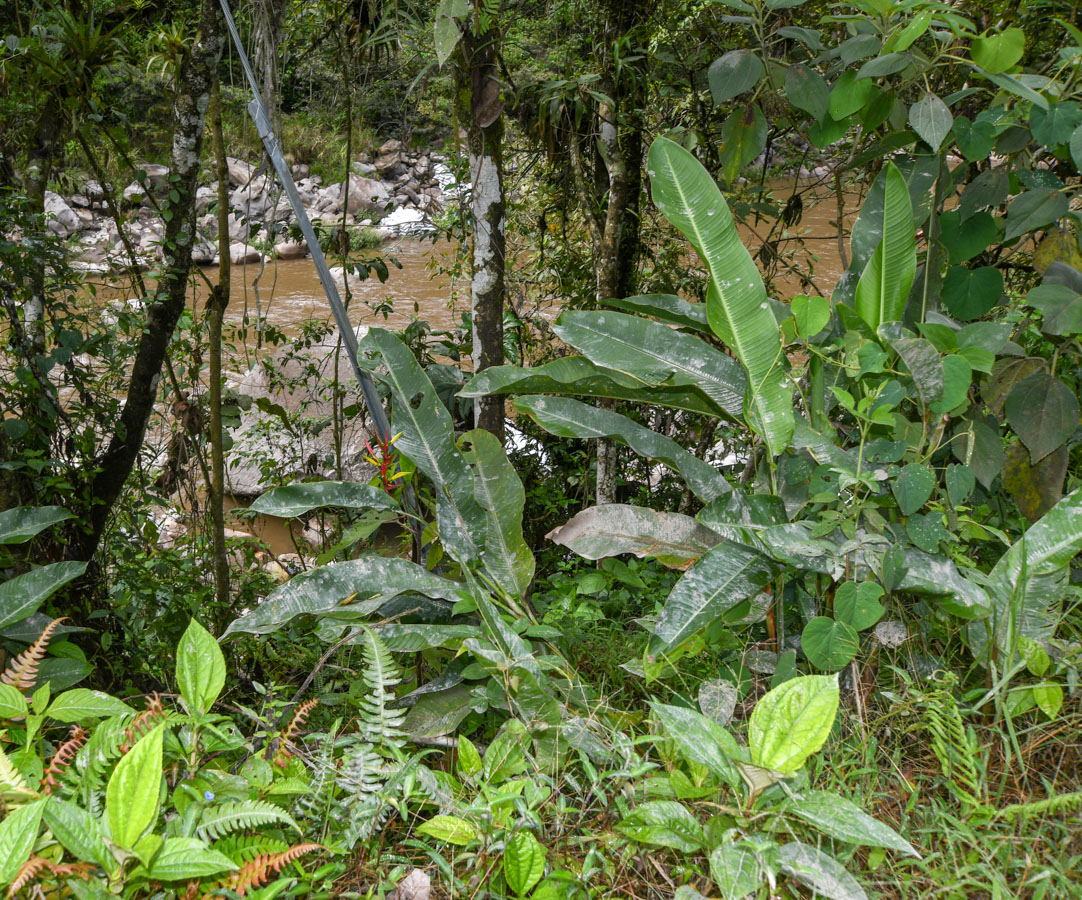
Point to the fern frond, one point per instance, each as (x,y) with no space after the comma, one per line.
(243,848)
(63,757)
(13,786)
(28,871)
(284,751)
(22,671)
(378,722)
(144,722)
(953,745)
(255,873)
(240,816)
(1062,803)
(85,778)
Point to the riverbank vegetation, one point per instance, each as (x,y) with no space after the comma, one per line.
(709,552)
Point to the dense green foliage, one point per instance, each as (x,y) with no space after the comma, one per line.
(770,590)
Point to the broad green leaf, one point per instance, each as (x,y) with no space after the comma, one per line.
(1043,412)
(805,89)
(970,293)
(717,700)
(428,439)
(882,66)
(1049,698)
(965,242)
(913,487)
(447,31)
(298,499)
(820,872)
(996,53)
(21,596)
(18,835)
(601,531)
(565,417)
(576,376)
(988,189)
(936,576)
(737,304)
(450,829)
(828,644)
(131,797)
(523,862)
(82,705)
(656,355)
(12,703)
(700,740)
(469,760)
(1029,581)
(499,493)
(926,531)
(439,713)
(975,139)
(78,831)
(980,447)
(922,360)
(331,589)
(200,668)
(727,574)
(884,284)
(960,483)
(414,638)
(666,307)
(1055,125)
(1035,488)
(931,120)
(732,74)
(1034,209)
(1060,306)
(812,314)
(843,820)
(848,95)
(914,29)
(184,858)
(739,517)
(858,47)
(791,722)
(735,871)
(663,823)
(19,524)
(858,605)
(1076,147)
(743,138)
(506,755)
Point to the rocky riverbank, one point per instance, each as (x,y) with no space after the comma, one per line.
(393,190)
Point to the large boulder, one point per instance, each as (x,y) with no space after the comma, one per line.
(241,254)
(60,218)
(261,445)
(364,195)
(291,250)
(240,172)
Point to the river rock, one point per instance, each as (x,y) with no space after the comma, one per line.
(261,443)
(204,253)
(251,200)
(157,175)
(365,195)
(241,254)
(204,197)
(133,194)
(299,171)
(240,172)
(367,170)
(61,219)
(291,250)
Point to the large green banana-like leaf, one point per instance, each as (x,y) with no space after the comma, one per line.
(21,596)
(884,285)
(1029,583)
(577,376)
(330,589)
(298,499)
(656,354)
(615,528)
(565,417)
(21,523)
(499,492)
(667,308)
(736,302)
(428,438)
(726,575)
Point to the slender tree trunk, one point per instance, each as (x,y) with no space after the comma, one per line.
(165,307)
(39,166)
(480,101)
(216,306)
